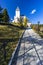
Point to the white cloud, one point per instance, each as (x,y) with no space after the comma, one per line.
(11,19)
(33,11)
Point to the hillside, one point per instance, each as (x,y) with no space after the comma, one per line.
(9,36)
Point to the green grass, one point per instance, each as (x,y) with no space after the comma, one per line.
(35,28)
(17,24)
(41,34)
(8,32)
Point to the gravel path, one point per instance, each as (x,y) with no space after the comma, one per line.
(31,49)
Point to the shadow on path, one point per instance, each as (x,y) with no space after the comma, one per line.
(14,61)
(33,41)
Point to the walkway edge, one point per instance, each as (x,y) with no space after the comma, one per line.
(10,62)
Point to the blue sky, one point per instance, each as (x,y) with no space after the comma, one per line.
(33,9)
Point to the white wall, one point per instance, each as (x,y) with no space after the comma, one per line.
(17,14)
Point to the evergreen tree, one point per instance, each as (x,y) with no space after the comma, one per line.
(0,8)
(1,15)
(5,16)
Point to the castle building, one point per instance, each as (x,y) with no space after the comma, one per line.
(18,16)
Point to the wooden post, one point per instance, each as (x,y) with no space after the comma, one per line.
(38,26)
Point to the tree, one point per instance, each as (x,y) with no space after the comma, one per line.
(5,16)
(25,21)
(21,21)
(1,8)
(38,26)
(1,15)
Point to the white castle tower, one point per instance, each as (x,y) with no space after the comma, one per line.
(17,15)
(17,12)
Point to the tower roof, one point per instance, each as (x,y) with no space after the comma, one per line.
(17,9)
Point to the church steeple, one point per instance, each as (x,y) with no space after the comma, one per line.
(17,9)
(17,12)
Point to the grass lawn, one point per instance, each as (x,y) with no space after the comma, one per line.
(35,28)
(7,34)
(41,34)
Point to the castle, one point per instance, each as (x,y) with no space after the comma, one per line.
(18,16)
